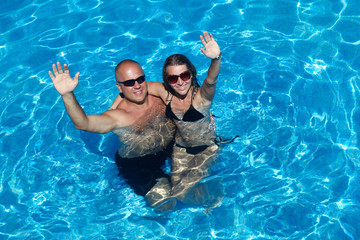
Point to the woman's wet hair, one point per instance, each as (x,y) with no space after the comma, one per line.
(175,60)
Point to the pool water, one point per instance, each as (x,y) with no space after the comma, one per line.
(289,86)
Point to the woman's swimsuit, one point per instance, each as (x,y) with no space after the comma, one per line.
(196,130)
(191,115)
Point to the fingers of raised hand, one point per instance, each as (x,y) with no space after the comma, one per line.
(66,69)
(207,36)
(59,67)
(76,77)
(51,75)
(55,70)
(202,40)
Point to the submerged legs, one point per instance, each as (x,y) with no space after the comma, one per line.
(188,169)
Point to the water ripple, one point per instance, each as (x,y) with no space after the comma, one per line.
(289,87)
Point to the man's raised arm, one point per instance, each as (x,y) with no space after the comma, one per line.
(65,86)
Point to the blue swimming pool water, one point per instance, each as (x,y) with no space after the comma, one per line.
(289,87)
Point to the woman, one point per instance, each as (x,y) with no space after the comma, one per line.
(188,105)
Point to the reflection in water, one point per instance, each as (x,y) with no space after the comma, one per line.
(289,86)
(188,171)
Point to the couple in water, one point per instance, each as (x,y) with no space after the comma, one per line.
(146,116)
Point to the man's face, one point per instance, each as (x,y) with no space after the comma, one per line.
(130,81)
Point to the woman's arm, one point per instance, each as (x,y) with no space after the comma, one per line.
(157,89)
(211,50)
(116,102)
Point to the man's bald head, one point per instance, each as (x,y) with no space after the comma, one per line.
(126,68)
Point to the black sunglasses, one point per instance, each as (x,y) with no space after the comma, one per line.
(131,82)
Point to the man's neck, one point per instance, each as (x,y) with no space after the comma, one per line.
(136,105)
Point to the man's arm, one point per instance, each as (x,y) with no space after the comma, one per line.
(65,86)
(102,123)
(211,50)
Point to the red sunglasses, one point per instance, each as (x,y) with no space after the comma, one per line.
(185,76)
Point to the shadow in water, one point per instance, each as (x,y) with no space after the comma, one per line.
(101,144)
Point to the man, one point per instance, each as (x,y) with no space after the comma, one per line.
(139,122)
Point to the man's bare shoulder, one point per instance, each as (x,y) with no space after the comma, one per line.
(120,116)
(116,111)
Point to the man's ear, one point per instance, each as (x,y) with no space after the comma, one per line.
(118,86)
(120,89)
